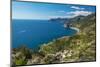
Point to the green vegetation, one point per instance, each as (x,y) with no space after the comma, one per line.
(20,55)
(20,62)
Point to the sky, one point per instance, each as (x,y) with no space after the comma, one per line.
(33,10)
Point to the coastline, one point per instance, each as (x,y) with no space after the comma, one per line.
(75,28)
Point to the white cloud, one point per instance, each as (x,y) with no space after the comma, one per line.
(77,8)
(77,13)
(72,14)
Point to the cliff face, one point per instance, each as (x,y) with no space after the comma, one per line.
(80,47)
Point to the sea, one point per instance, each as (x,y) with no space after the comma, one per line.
(34,33)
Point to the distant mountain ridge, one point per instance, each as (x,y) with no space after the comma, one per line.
(70,20)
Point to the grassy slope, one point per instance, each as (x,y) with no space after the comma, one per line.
(80,47)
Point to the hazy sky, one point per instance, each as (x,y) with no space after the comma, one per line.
(31,10)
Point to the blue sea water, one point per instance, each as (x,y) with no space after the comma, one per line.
(33,33)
